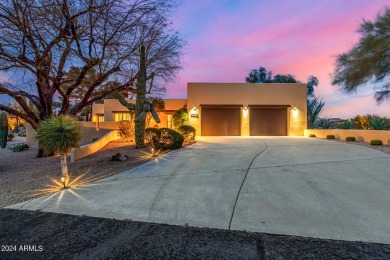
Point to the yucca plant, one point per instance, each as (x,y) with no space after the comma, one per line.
(59,134)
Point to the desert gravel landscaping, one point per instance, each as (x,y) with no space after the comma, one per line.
(22,175)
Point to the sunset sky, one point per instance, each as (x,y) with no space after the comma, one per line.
(228,38)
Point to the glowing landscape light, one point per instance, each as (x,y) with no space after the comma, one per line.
(63,180)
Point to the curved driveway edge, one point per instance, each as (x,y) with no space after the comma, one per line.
(285,185)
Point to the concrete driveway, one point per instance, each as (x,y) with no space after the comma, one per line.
(286,185)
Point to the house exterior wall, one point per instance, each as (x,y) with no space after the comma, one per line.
(113,105)
(250,94)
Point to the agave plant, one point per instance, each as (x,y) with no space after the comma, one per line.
(59,134)
(346,124)
(314,109)
(378,123)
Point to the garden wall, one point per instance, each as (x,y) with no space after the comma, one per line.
(85,150)
(88,131)
(361,135)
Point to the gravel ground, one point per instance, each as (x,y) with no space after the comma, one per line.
(23,176)
(63,236)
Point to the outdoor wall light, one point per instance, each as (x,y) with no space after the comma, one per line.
(194,109)
(245,111)
(295,112)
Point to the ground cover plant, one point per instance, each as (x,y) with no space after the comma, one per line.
(20,147)
(350,139)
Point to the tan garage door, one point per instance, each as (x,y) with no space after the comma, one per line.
(268,121)
(220,120)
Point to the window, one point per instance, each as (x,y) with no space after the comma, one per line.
(169,121)
(121,116)
(98,118)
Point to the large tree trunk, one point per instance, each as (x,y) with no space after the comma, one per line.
(141,92)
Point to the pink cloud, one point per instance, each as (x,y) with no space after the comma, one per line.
(300,38)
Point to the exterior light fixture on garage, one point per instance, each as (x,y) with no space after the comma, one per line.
(194,112)
(295,112)
(245,111)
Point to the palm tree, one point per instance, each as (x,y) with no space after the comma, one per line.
(59,134)
(314,109)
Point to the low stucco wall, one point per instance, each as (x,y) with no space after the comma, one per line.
(85,150)
(361,135)
(88,132)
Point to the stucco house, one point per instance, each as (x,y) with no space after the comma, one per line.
(229,109)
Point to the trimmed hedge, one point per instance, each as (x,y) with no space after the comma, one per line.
(149,133)
(350,139)
(166,138)
(330,137)
(189,132)
(312,135)
(376,142)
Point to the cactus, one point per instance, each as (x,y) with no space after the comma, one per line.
(3,129)
(142,105)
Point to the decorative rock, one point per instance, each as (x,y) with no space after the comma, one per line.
(119,157)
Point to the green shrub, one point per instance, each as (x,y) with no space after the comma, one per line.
(378,123)
(330,137)
(20,147)
(180,117)
(312,135)
(22,133)
(376,142)
(95,139)
(188,132)
(10,136)
(346,124)
(166,138)
(350,139)
(149,133)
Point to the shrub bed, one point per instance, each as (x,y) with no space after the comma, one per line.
(166,138)
(350,139)
(188,132)
(20,147)
(330,137)
(376,142)
(312,135)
